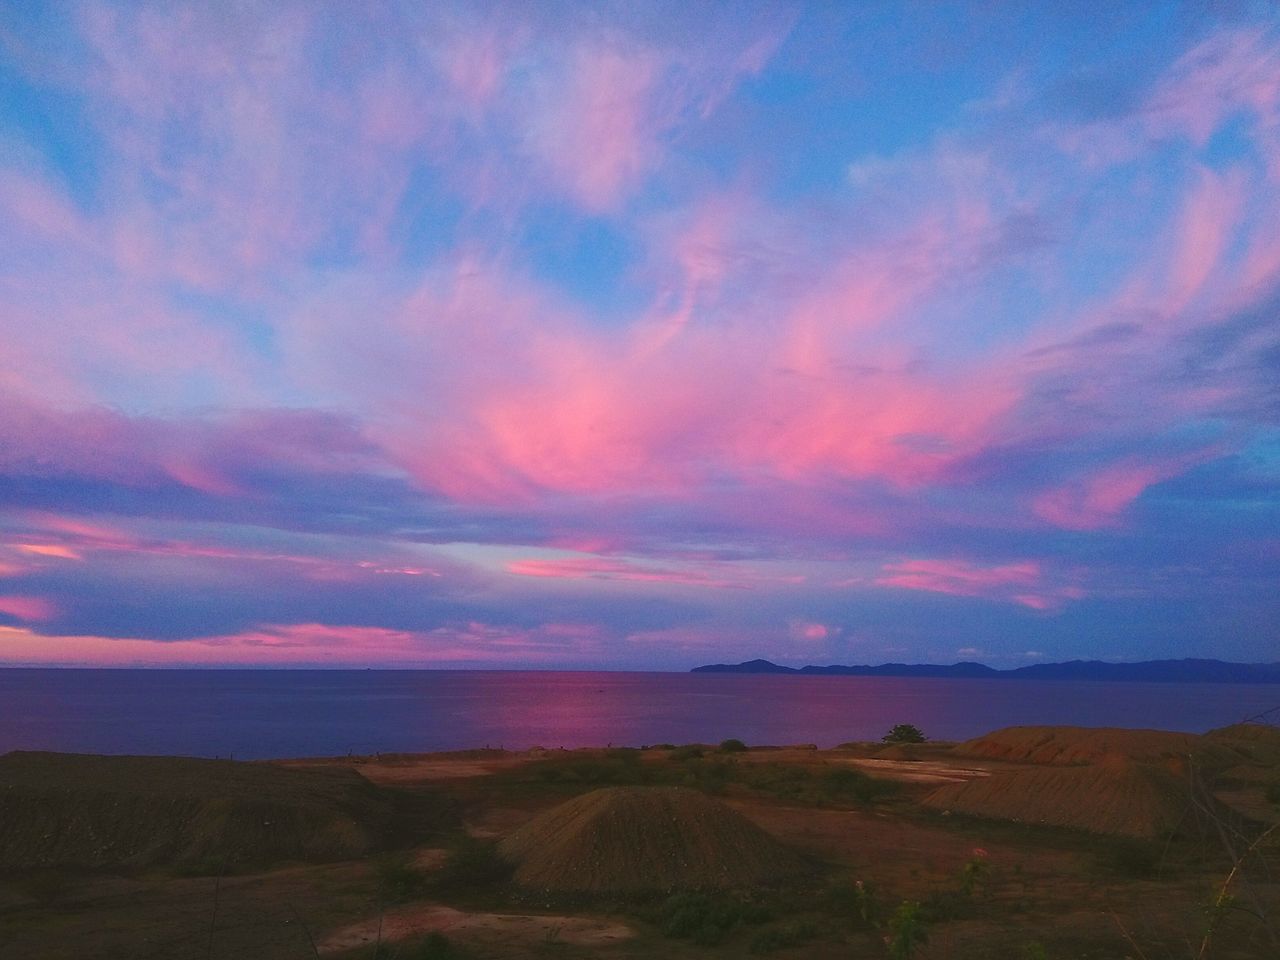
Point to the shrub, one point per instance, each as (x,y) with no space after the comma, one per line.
(705,919)
(904,733)
(398,879)
(690,751)
(732,746)
(437,947)
(618,766)
(475,863)
(906,931)
(854,784)
(46,885)
(780,938)
(863,902)
(974,873)
(709,777)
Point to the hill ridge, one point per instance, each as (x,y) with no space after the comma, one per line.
(1187,670)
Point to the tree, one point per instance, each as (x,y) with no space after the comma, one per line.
(904,733)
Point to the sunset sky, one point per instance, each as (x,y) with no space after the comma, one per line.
(639,335)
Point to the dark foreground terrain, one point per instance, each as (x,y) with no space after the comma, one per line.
(1025,844)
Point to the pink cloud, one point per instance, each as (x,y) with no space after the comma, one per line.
(1025,582)
(1229,72)
(54,550)
(597,134)
(1099,499)
(551,404)
(72,538)
(1208,224)
(28,608)
(810,631)
(283,644)
(957,577)
(599,568)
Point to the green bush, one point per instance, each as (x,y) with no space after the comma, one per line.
(906,931)
(732,746)
(904,733)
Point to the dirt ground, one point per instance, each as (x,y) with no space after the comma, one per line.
(988,890)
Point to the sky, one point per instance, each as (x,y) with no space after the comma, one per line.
(638,336)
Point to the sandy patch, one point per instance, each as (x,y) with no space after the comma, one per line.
(916,771)
(401,923)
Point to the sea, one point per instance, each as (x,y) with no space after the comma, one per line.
(264,714)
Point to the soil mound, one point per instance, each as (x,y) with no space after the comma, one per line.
(1118,797)
(1259,742)
(632,839)
(95,811)
(1076,745)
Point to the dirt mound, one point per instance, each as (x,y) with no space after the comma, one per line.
(1075,745)
(630,839)
(1116,797)
(95,811)
(1259,742)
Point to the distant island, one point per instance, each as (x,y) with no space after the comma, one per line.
(1153,671)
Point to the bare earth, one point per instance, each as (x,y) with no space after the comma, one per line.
(1066,892)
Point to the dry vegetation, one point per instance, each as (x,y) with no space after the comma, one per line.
(1028,843)
(76,811)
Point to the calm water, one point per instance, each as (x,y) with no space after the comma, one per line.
(258,714)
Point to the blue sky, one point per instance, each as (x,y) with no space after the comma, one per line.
(638,336)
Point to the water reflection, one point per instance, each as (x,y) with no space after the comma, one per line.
(255,714)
